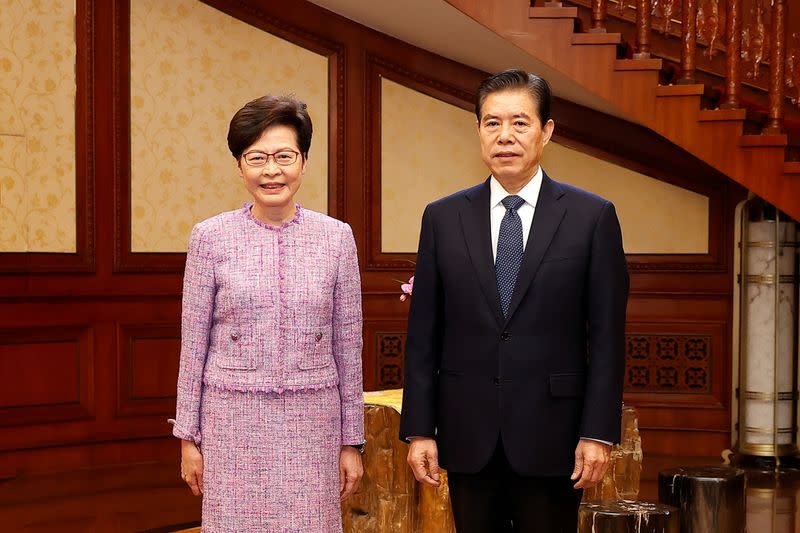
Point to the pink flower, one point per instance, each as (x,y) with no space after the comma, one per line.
(407,289)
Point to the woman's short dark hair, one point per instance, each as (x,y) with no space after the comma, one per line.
(251,121)
(514,79)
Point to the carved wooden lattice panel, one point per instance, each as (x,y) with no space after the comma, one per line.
(389,347)
(668,363)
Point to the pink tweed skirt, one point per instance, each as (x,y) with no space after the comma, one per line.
(271,461)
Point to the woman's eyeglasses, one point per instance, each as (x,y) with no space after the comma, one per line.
(259,159)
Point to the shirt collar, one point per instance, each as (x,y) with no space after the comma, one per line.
(529,193)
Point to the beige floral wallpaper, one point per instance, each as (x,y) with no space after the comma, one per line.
(37,126)
(656,217)
(192,68)
(430,149)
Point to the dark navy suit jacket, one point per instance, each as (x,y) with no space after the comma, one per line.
(545,375)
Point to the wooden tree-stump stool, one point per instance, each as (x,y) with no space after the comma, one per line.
(622,516)
(710,498)
(389,499)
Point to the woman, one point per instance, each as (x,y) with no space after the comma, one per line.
(270,405)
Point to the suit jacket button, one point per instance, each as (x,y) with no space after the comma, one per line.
(496,381)
(318,336)
(234,336)
(505,336)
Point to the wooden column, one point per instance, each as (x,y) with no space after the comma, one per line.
(733,60)
(599,10)
(776,69)
(689,37)
(643,28)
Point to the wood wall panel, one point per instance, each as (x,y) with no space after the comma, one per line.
(60,458)
(377,68)
(386,340)
(683,363)
(124,259)
(66,436)
(21,364)
(148,360)
(45,375)
(83,260)
(123,311)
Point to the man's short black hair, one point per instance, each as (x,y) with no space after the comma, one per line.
(516,79)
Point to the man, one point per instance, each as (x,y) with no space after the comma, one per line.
(514,358)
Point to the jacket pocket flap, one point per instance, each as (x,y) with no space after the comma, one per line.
(559,258)
(565,385)
(315,349)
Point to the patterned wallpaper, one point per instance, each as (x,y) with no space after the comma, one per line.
(430,150)
(192,68)
(656,217)
(37,126)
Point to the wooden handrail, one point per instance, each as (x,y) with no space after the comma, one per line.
(643,27)
(689,39)
(733,59)
(776,69)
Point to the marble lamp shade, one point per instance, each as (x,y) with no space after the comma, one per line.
(767,398)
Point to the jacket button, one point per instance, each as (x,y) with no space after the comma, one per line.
(234,336)
(505,336)
(496,381)
(318,336)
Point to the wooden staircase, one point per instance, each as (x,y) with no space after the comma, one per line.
(716,136)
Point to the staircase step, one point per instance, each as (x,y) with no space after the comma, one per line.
(637,64)
(791,167)
(763,140)
(597,38)
(680,90)
(720,115)
(553,13)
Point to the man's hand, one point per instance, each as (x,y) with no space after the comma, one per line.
(351,470)
(591,463)
(423,457)
(192,466)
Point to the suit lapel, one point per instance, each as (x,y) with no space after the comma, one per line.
(546,219)
(476,225)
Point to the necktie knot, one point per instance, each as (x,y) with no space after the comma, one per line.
(513,202)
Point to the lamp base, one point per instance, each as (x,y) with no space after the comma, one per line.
(765,463)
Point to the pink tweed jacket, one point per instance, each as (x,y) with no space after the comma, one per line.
(271,309)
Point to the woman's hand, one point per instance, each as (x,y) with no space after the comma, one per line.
(350,471)
(192,466)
